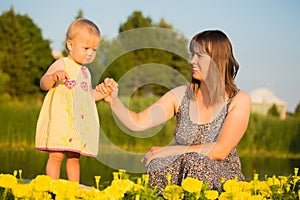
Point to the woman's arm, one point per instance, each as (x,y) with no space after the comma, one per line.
(159,112)
(234,128)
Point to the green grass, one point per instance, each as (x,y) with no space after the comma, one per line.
(265,135)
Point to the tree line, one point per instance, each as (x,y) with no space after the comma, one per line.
(149,57)
(25,55)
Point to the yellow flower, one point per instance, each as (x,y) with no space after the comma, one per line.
(211,194)
(137,197)
(173,192)
(64,196)
(124,185)
(296,169)
(139,181)
(145,179)
(231,186)
(97,180)
(283,179)
(224,196)
(41,195)
(122,173)
(255,177)
(295,179)
(245,186)
(63,188)
(273,181)
(169,177)
(20,173)
(7,180)
(223,180)
(256,197)
(263,189)
(94,194)
(41,183)
(113,192)
(82,193)
(138,187)
(116,175)
(22,191)
(241,196)
(234,196)
(192,185)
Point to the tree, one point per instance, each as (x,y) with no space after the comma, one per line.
(135,20)
(143,43)
(297,111)
(4,79)
(24,56)
(273,111)
(163,24)
(79,14)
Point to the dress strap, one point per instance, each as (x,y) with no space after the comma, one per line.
(230,99)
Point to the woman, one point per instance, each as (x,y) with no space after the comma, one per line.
(212,116)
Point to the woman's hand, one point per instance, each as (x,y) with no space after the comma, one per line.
(113,85)
(162,152)
(109,89)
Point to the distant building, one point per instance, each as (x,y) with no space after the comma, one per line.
(263,99)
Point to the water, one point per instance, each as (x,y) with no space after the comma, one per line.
(268,166)
(33,163)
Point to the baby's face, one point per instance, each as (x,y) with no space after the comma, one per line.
(83,47)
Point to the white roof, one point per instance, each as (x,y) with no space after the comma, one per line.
(263,95)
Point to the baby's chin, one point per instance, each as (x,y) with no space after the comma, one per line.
(87,62)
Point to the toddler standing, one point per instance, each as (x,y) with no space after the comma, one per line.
(68,123)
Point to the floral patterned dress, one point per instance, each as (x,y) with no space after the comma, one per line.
(68,119)
(193,164)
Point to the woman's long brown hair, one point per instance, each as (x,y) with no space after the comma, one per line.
(223,67)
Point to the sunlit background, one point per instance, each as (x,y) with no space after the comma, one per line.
(265,34)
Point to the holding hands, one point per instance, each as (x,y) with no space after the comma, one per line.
(109,89)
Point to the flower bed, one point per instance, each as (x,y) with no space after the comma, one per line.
(122,187)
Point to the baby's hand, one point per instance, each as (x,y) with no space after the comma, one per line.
(109,89)
(60,75)
(102,89)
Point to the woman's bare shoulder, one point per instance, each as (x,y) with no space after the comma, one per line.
(243,96)
(241,99)
(179,92)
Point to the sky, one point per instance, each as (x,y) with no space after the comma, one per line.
(265,34)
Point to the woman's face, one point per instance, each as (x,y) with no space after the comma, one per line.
(82,48)
(200,62)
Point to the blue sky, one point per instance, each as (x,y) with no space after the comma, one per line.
(265,34)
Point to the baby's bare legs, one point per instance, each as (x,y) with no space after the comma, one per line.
(73,167)
(54,163)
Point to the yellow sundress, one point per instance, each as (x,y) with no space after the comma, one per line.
(68,120)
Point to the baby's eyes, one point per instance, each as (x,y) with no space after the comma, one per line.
(197,54)
(87,49)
